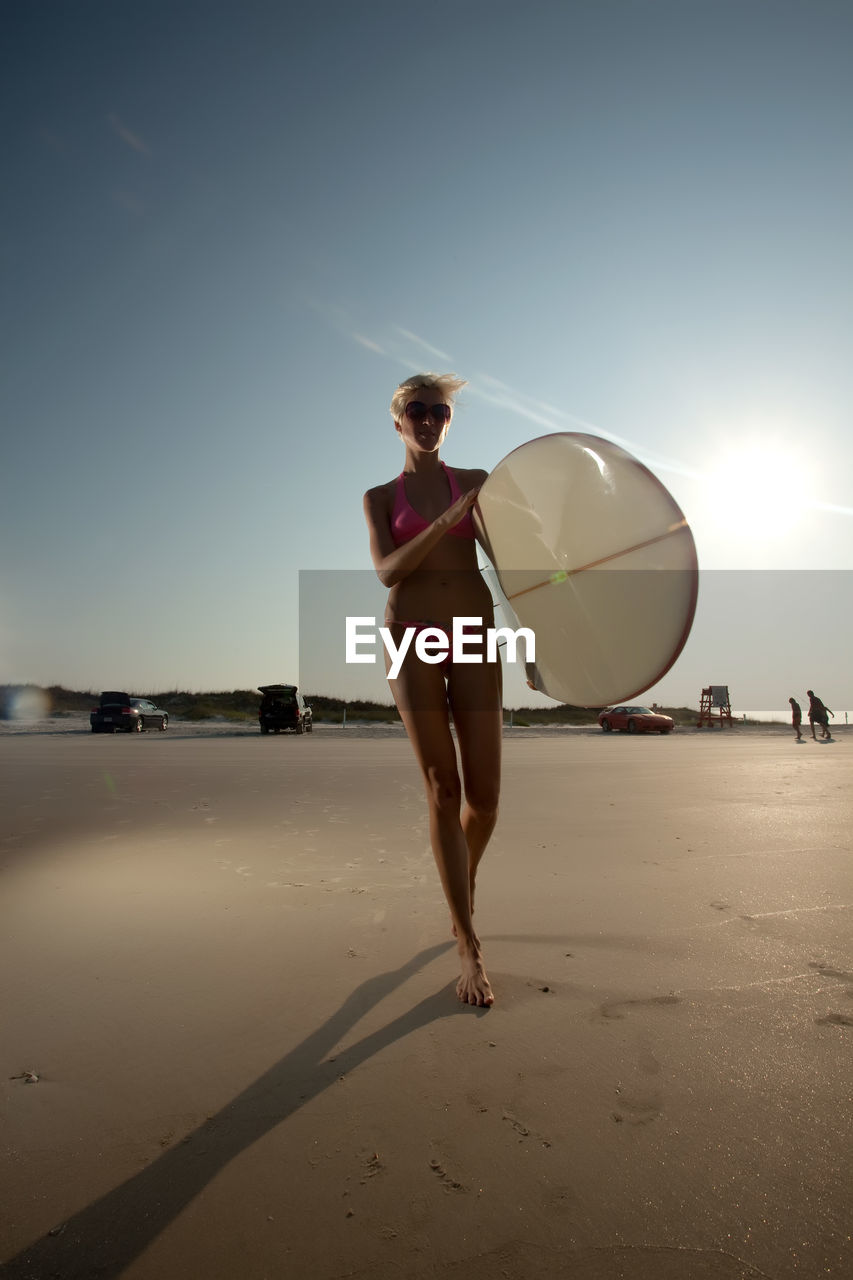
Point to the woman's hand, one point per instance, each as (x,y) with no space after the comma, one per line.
(457,510)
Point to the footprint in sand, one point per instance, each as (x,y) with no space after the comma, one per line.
(638,1110)
(225,865)
(449,1184)
(643,1104)
(612,1008)
(828,971)
(523,1130)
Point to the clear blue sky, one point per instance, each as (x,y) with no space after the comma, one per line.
(229,230)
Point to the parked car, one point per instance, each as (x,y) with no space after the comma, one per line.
(283,707)
(120,713)
(635,720)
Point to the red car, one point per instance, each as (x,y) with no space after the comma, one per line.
(635,720)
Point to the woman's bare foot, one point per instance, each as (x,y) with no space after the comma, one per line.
(473,986)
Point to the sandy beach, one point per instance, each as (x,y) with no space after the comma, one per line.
(226,959)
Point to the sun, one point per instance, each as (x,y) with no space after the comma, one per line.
(759,490)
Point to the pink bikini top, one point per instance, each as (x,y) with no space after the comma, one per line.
(407,524)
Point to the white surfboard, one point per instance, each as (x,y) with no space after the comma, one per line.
(593,553)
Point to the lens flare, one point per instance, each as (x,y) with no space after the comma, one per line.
(27,704)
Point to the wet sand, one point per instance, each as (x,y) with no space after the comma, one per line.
(226,958)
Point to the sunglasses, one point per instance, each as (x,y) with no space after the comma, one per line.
(417,411)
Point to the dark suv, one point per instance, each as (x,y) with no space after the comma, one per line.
(283,707)
(119,713)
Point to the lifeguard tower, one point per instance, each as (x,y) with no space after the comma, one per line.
(715,707)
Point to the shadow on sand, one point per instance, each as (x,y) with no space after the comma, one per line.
(104,1238)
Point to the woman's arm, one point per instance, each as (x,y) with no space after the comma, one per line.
(392,563)
(478,478)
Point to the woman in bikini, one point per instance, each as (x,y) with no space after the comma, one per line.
(423,548)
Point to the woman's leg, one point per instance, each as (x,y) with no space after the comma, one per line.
(421,698)
(476,702)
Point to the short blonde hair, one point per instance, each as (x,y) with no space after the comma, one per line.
(448,384)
